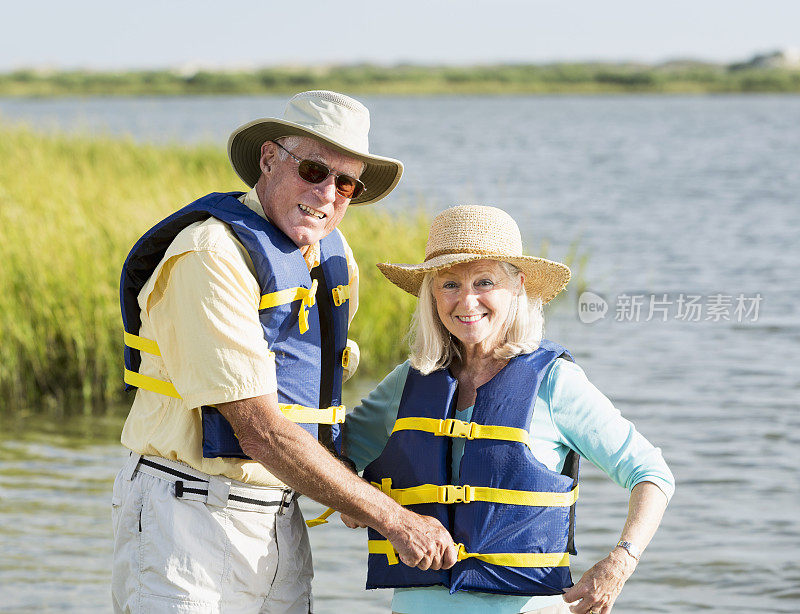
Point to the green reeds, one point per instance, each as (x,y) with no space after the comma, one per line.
(70,209)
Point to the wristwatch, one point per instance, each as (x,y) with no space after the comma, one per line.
(632,549)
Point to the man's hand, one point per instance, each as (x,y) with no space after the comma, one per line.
(294,457)
(351,522)
(422,541)
(598,588)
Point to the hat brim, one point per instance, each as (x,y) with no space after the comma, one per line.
(544,278)
(380,174)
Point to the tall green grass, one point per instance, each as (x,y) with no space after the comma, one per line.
(70,209)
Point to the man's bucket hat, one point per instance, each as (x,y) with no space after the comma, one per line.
(335,119)
(473,232)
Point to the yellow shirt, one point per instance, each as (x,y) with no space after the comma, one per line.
(200,306)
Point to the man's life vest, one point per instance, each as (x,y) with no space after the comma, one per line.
(512,517)
(304,317)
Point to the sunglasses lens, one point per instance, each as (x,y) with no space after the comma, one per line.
(348,187)
(314,172)
(311,171)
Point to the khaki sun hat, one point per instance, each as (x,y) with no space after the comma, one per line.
(336,120)
(474,232)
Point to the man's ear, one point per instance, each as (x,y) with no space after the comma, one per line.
(269,152)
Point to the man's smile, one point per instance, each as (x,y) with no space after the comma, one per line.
(308,210)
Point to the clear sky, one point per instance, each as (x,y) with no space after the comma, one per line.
(108,34)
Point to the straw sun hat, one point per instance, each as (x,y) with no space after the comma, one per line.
(335,119)
(473,232)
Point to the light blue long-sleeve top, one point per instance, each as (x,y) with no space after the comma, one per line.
(569,413)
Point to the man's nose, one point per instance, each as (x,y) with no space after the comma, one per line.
(326,188)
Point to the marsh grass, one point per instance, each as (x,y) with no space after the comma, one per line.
(70,209)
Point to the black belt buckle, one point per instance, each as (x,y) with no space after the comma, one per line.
(286,501)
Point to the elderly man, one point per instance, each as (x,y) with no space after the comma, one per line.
(236,310)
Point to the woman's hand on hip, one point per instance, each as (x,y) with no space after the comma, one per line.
(599,587)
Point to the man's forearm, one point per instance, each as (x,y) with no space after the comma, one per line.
(292,455)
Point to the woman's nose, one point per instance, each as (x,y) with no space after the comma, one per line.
(469,298)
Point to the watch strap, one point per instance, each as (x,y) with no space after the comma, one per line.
(631,548)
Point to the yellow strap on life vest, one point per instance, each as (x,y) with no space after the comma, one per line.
(346,357)
(433,493)
(151,347)
(140,343)
(326,415)
(321,519)
(383,546)
(152,384)
(506,559)
(517,559)
(458,428)
(341,294)
(282,297)
(296,413)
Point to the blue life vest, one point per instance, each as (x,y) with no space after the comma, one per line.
(415,457)
(308,364)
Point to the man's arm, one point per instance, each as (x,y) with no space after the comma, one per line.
(205,319)
(290,453)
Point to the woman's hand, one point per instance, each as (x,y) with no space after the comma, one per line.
(598,588)
(352,522)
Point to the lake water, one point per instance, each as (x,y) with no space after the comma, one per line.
(687,207)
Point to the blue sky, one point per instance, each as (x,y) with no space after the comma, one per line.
(110,34)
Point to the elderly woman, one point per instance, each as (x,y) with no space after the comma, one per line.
(482,429)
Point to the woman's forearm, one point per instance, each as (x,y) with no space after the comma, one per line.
(599,587)
(645,510)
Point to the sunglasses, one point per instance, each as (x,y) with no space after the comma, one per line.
(316,172)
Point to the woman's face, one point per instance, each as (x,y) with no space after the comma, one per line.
(473,300)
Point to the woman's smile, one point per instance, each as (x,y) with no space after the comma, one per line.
(470,319)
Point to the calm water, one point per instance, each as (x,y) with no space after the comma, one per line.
(675,196)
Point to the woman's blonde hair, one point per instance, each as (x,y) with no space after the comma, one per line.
(433,347)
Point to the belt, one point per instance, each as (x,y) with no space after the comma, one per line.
(193,485)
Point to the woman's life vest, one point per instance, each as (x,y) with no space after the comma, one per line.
(512,517)
(304,317)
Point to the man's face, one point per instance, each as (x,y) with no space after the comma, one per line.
(305,212)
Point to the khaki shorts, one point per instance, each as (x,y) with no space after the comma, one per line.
(177,555)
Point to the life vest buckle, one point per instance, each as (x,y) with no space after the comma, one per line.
(339,412)
(307,300)
(457,428)
(340,295)
(455,494)
(346,357)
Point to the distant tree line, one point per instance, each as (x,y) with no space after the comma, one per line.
(568,78)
